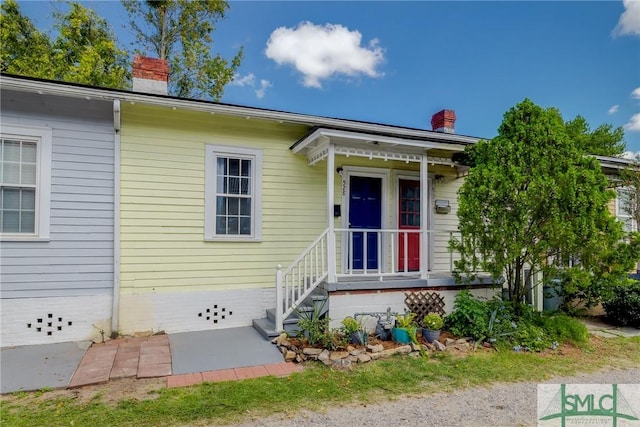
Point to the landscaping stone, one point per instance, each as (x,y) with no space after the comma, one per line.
(375,348)
(310,351)
(290,356)
(350,348)
(338,355)
(461,341)
(324,355)
(448,342)
(280,339)
(415,347)
(363,358)
(356,351)
(462,347)
(439,346)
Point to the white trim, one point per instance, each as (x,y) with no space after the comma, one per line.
(211,153)
(362,171)
(44,141)
(424,212)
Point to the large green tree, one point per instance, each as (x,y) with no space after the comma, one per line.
(84,51)
(180,31)
(533,199)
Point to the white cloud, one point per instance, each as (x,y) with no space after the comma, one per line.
(239,80)
(320,52)
(614,109)
(636,93)
(264,84)
(630,155)
(629,23)
(250,81)
(634,123)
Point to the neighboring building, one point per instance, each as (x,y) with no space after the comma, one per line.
(56,214)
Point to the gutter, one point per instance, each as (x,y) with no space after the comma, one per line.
(115,308)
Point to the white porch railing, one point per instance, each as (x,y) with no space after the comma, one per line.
(389,245)
(296,283)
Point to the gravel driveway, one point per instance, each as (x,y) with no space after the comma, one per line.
(512,404)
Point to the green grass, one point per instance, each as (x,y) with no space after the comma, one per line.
(318,387)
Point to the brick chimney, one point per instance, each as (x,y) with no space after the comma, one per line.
(150,75)
(444,121)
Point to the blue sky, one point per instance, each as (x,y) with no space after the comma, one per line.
(400,62)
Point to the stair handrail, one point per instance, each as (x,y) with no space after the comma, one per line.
(288,296)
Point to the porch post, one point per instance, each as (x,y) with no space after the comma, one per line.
(331,237)
(424,213)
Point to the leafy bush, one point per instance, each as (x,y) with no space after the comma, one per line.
(514,325)
(350,325)
(470,317)
(530,337)
(623,307)
(563,328)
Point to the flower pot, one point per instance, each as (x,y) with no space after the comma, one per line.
(430,335)
(403,335)
(359,338)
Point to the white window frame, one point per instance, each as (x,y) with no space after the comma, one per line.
(621,215)
(43,138)
(211,155)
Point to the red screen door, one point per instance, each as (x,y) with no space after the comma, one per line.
(409,219)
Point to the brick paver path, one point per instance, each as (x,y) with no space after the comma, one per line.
(149,357)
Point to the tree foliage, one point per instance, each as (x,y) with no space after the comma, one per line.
(180,31)
(532,200)
(605,140)
(84,51)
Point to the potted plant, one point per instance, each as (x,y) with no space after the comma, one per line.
(405,330)
(354,331)
(431,326)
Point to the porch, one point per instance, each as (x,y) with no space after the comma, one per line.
(390,212)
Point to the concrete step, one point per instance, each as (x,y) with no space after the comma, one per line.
(267,328)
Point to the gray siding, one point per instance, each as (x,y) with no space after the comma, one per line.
(78,258)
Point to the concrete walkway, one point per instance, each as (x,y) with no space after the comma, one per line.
(34,367)
(599,328)
(185,359)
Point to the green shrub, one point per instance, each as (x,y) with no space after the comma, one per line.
(470,317)
(563,328)
(623,307)
(529,337)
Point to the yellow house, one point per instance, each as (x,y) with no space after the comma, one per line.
(227,212)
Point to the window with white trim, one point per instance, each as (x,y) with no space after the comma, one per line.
(624,208)
(233,197)
(25,182)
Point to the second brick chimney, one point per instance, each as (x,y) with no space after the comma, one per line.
(444,121)
(150,75)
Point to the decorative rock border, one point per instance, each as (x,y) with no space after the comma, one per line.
(344,359)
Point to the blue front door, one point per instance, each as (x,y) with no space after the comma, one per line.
(365,211)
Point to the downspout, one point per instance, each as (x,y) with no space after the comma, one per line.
(117,122)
